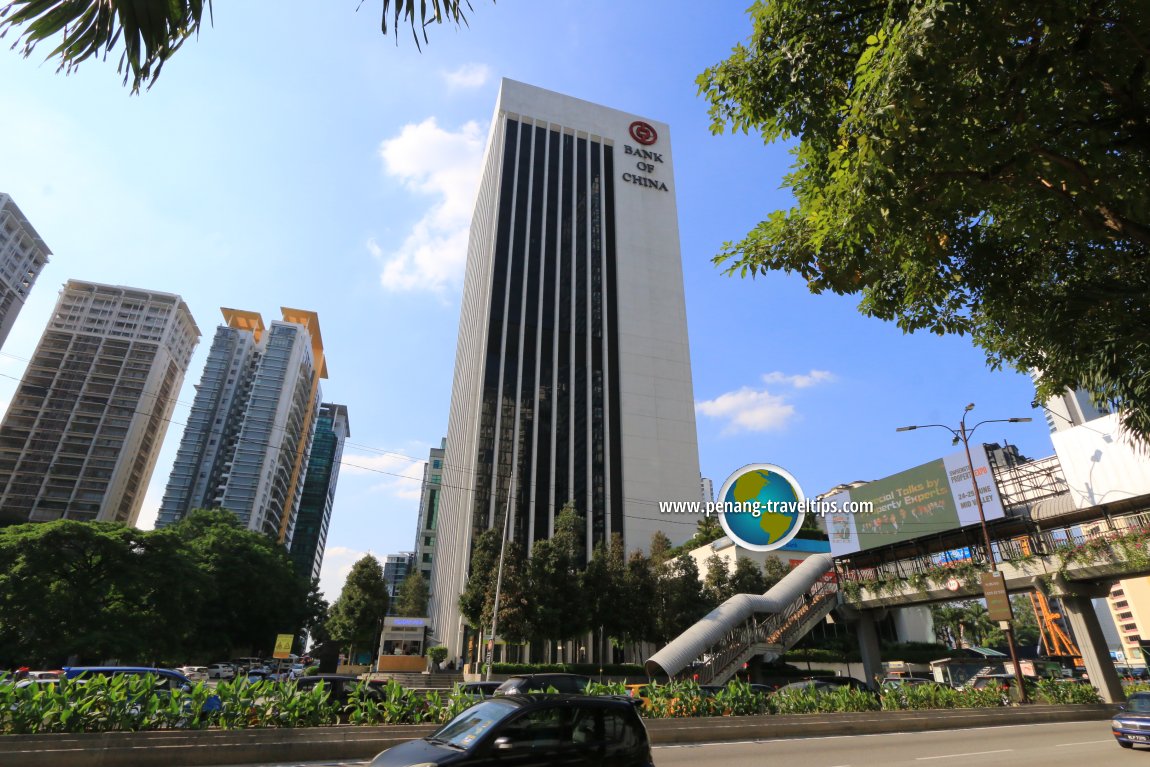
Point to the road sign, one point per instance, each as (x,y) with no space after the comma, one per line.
(283,646)
(997,600)
(953,584)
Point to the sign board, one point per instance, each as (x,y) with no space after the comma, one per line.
(997,600)
(926,500)
(283,645)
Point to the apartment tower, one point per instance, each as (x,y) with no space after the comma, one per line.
(246,445)
(80,439)
(23,254)
(572,375)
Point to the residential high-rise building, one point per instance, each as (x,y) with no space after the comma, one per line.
(707,490)
(572,374)
(429,511)
(246,444)
(314,516)
(23,254)
(80,439)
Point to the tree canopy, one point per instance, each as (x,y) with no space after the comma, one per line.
(356,617)
(151,32)
(202,589)
(971,168)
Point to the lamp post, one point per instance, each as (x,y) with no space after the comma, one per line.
(963,434)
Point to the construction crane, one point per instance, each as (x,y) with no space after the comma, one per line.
(1054,638)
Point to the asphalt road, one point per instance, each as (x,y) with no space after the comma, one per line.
(1074,744)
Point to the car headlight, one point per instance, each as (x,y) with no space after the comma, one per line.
(1116,724)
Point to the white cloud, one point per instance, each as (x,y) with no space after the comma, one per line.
(748,410)
(801,380)
(337,564)
(403,476)
(468,76)
(429,160)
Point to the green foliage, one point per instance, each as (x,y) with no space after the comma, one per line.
(1058,692)
(717,581)
(411,598)
(632,670)
(680,600)
(972,168)
(151,32)
(437,653)
(748,577)
(98,590)
(357,615)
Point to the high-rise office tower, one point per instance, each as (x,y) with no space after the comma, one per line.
(395,569)
(23,254)
(310,537)
(81,436)
(572,374)
(246,444)
(429,510)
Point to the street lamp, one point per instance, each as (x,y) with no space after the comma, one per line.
(963,434)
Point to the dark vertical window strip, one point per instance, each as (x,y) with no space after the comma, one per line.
(485,460)
(509,438)
(598,502)
(581,330)
(563,372)
(543,476)
(528,387)
(611,302)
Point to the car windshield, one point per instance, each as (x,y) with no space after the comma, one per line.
(1138,704)
(469,726)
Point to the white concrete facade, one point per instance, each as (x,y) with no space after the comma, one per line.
(624,404)
(23,254)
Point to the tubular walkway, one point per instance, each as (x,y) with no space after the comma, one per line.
(747,625)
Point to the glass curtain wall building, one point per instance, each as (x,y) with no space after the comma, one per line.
(572,376)
(314,517)
(85,426)
(247,441)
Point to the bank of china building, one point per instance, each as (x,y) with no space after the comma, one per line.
(572,374)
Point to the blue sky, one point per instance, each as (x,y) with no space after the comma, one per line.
(298,158)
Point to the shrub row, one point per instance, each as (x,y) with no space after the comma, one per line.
(137,703)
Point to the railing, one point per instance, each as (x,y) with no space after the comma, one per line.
(774,628)
(1039,542)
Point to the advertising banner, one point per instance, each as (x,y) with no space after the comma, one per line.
(922,501)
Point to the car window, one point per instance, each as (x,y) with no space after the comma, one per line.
(618,729)
(541,728)
(1138,704)
(469,726)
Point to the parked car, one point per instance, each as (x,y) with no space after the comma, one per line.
(894,682)
(194,673)
(1131,725)
(340,686)
(479,689)
(221,671)
(533,730)
(167,680)
(823,684)
(574,684)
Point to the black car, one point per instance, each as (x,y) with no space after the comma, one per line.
(479,689)
(339,685)
(823,684)
(529,730)
(572,684)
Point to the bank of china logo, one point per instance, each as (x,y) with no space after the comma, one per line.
(761,507)
(643,132)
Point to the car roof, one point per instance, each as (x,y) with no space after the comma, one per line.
(549,675)
(75,670)
(332,677)
(536,699)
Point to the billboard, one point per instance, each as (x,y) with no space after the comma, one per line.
(925,500)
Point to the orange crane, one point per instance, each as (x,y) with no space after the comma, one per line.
(1056,641)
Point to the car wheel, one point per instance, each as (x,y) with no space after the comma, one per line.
(1125,745)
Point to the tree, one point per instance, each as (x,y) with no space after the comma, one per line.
(357,616)
(411,599)
(1026,633)
(717,581)
(641,590)
(748,577)
(774,570)
(978,168)
(251,591)
(680,599)
(660,547)
(605,591)
(152,32)
(481,580)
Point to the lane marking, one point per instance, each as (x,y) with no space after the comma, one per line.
(1083,743)
(971,753)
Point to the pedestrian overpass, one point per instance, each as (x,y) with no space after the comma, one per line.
(1043,544)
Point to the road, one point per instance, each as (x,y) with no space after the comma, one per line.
(1071,744)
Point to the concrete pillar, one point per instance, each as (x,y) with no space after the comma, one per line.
(869,648)
(1091,642)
